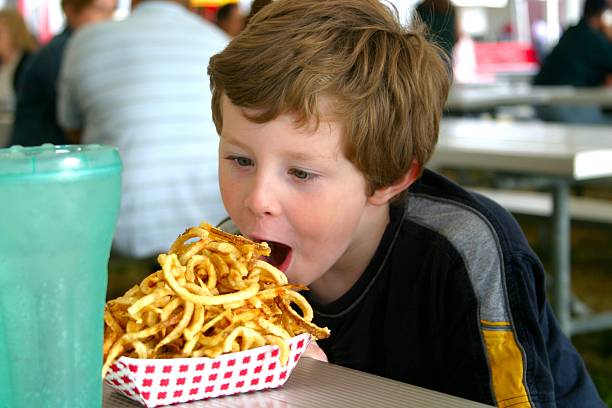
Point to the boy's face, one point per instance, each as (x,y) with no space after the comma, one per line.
(294,188)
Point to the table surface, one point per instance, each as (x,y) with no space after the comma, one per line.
(571,151)
(314,383)
(464,97)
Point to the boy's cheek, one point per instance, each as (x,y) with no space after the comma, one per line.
(228,194)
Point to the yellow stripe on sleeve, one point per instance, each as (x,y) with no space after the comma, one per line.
(506,362)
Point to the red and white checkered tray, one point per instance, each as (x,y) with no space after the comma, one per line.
(155,382)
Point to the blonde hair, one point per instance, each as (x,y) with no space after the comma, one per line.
(385,83)
(21,37)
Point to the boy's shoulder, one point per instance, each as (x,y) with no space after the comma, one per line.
(462,215)
(487,241)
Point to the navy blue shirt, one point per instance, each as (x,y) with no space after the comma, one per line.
(35,113)
(454,300)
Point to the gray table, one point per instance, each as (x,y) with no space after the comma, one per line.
(317,384)
(553,154)
(485,97)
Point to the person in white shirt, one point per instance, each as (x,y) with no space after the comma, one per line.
(140,84)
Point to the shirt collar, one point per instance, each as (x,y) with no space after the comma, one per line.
(159,5)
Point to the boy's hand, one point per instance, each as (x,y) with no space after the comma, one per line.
(314,351)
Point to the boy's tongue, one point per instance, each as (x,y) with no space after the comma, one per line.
(278,254)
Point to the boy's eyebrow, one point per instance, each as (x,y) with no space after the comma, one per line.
(229,139)
(302,156)
(294,155)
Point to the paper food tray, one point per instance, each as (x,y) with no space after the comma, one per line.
(155,382)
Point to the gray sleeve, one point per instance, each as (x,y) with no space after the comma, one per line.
(69,115)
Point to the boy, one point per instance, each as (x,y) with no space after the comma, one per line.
(327,112)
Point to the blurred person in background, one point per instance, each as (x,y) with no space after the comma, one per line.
(36,112)
(16,46)
(440,16)
(230,19)
(140,84)
(581,58)
(256,6)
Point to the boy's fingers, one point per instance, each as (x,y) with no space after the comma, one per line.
(314,351)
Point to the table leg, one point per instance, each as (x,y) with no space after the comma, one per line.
(561,255)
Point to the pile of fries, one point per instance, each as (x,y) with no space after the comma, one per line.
(213,295)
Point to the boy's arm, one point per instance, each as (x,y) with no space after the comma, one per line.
(530,362)
(314,351)
(522,359)
(547,351)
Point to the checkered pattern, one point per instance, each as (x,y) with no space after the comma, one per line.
(162,382)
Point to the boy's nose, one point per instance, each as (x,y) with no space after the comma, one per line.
(261,199)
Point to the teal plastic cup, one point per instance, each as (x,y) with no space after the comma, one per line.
(58,210)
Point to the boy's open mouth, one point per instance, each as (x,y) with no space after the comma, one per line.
(280,255)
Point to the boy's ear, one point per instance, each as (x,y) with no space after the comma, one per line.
(384,195)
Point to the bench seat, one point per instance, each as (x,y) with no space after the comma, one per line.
(540,204)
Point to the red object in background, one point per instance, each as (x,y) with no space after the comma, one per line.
(207,12)
(512,56)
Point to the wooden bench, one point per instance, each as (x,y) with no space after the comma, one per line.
(540,204)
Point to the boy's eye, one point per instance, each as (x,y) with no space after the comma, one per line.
(241,161)
(301,174)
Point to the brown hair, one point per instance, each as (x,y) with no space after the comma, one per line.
(21,37)
(256,7)
(385,83)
